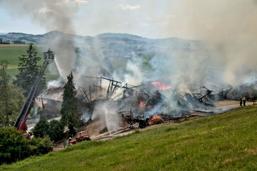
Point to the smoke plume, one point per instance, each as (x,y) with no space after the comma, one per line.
(108,111)
(52,15)
(228,27)
(226,31)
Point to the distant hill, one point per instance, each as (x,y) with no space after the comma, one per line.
(20,37)
(109,38)
(113,50)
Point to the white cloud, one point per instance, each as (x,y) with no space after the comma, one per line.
(43,10)
(129,7)
(79,2)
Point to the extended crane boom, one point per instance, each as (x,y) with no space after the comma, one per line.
(20,123)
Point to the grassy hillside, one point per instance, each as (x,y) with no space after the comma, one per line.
(222,142)
(10,53)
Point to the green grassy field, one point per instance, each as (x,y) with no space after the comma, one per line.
(222,142)
(11,54)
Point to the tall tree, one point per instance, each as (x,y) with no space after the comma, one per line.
(4,87)
(69,110)
(41,129)
(55,130)
(10,98)
(29,68)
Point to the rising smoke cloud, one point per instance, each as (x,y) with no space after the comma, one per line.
(228,27)
(52,15)
(227,30)
(108,111)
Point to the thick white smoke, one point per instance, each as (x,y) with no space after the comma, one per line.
(52,15)
(228,27)
(226,31)
(108,111)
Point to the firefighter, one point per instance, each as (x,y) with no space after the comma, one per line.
(69,141)
(65,143)
(244,101)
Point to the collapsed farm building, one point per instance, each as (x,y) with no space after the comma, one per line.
(108,105)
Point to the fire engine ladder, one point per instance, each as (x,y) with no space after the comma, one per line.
(25,110)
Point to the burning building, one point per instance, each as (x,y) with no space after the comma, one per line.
(109,105)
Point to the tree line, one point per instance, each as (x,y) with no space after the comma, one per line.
(13,93)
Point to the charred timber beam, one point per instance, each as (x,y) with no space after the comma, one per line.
(90,93)
(110,79)
(85,95)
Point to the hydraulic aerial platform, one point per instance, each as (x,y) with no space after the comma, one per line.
(20,123)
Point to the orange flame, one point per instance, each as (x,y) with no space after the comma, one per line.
(161,86)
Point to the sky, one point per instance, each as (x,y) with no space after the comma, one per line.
(229,27)
(10,23)
(188,19)
(149,18)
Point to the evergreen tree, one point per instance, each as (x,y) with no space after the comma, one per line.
(55,130)
(4,98)
(41,129)
(29,68)
(11,99)
(14,146)
(69,108)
